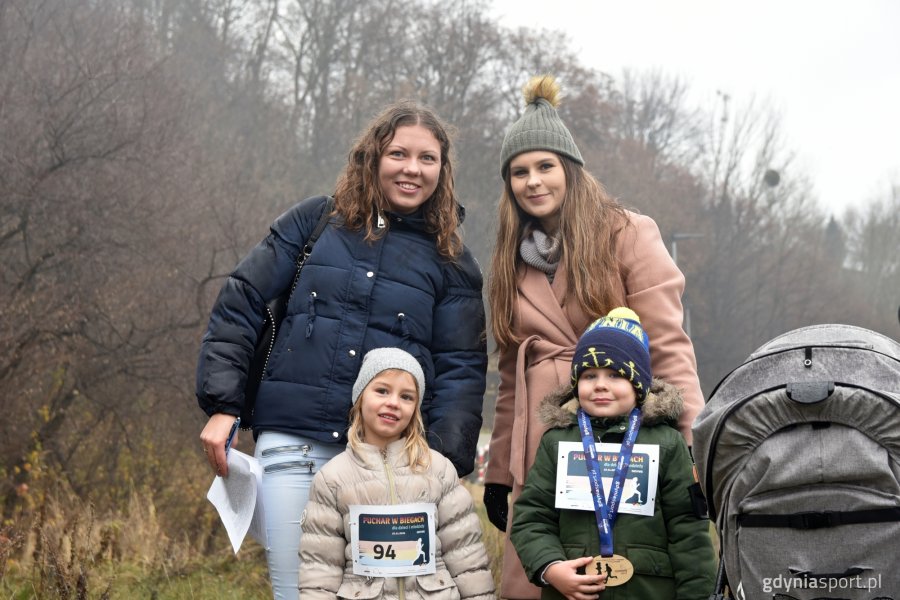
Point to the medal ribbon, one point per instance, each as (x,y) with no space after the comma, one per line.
(606,513)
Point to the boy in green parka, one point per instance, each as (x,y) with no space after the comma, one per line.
(583,554)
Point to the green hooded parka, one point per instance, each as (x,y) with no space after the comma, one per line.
(671,551)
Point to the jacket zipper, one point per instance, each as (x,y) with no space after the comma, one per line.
(271,319)
(401,591)
(311,309)
(404,329)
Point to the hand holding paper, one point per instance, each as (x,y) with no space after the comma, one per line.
(236,499)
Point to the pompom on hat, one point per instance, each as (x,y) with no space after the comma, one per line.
(540,128)
(381,359)
(618,342)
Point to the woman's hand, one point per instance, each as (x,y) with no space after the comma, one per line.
(496,504)
(564,577)
(213,438)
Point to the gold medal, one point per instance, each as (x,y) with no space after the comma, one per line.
(618,569)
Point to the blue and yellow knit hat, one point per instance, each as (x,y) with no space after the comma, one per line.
(616,341)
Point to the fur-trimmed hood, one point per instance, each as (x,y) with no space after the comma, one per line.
(663,405)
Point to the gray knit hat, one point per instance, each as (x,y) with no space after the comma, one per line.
(381,359)
(540,128)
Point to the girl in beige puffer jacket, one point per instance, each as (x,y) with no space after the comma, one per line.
(388,462)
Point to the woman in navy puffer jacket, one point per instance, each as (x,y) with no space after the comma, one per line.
(389,270)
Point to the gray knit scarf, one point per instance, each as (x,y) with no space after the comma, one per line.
(541,251)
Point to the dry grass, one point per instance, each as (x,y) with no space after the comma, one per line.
(62,549)
(492,537)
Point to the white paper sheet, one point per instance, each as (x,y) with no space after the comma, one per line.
(237,501)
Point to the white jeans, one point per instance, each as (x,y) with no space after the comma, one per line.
(289,463)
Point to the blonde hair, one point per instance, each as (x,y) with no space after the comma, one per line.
(358,190)
(416,447)
(589,222)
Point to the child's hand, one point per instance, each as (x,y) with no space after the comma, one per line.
(563,577)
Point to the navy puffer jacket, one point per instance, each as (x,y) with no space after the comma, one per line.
(352,296)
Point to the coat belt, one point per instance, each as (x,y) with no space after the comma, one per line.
(532,351)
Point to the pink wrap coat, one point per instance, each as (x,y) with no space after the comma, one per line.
(549,325)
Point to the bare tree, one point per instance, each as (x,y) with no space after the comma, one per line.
(763,267)
(146,145)
(86,129)
(873,261)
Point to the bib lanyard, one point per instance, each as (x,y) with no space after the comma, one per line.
(606,513)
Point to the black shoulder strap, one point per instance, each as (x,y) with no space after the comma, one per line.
(320,227)
(307,249)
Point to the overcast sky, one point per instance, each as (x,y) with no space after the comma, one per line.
(830,68)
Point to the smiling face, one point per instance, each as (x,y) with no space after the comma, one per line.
(410,168)
(605,393)
(387,406)
(538,182)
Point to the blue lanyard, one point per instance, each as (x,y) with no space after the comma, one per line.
(606,513)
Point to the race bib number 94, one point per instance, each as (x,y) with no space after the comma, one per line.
(392,541)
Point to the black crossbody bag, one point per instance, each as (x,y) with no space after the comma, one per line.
(275,311)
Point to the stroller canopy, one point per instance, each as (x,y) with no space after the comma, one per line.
(748,405)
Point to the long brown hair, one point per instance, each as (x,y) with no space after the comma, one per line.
(589,222)
(416,447)
(358,190)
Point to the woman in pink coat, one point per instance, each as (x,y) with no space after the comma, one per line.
(566,253)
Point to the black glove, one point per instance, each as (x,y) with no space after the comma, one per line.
(497,504)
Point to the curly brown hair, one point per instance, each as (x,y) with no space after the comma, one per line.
(358,190)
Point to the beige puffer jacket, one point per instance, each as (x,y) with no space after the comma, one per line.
(375,478)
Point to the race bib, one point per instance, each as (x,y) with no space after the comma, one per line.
(573,489)
(392,541)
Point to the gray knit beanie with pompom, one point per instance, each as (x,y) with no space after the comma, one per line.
(540,128)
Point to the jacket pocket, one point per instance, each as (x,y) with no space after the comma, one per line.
(648,560)
(573,551)
(304,466)
(438,586)
(280,346)
(359,588)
